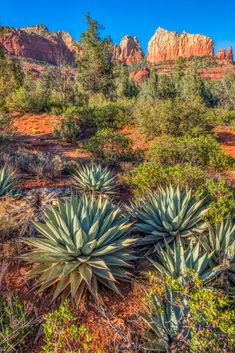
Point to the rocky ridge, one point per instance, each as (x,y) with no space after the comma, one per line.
(38,43)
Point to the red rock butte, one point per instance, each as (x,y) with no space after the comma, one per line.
(128,51)
(38,43)
(166,45)
(228,56)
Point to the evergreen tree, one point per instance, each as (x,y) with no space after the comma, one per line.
(95,69)
(191,83)
(152,84)
(11,76)
(166,86)
(179,68)
(125,88)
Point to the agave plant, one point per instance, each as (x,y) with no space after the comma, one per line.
(166,328)
(94,179)
(83,243)
(168,214)
(179,262)
(222,243)
(7,184)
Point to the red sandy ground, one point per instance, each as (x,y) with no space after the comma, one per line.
(227,140)
(34,132)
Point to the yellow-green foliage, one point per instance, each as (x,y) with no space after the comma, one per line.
(62,334)
(109,145)
(204,151)
(175,117)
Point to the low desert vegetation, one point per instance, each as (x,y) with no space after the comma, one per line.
(134,250)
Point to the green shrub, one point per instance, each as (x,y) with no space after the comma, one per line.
(62,334)
(14,325)
(233,124)
(69,131)
(111,115)
(175,117)
(151,175)
(75,121)
(202,151)
(26,100)
(109,145)
(222,116)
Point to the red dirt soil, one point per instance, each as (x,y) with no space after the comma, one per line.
(35,132)
(138,139)
(39,124)
(227,141)
(113,321)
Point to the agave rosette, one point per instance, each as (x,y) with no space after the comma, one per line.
(83,243)
(94,179)
(168,214)
(178,262)
(165,324)
(7,183)
(222,243)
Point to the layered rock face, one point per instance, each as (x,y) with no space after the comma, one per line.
(167,45)
(128,51)
(38,43)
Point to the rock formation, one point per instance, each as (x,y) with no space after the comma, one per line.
(167,45)
(221,53)
(38,43)
(128,51)
(229,55)
(141,75)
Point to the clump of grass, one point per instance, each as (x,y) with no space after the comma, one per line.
(15,325)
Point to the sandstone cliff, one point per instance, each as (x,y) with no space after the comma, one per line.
(167,45)
(128,51)
(38,43)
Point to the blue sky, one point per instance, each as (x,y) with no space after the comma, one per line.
(135,17)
